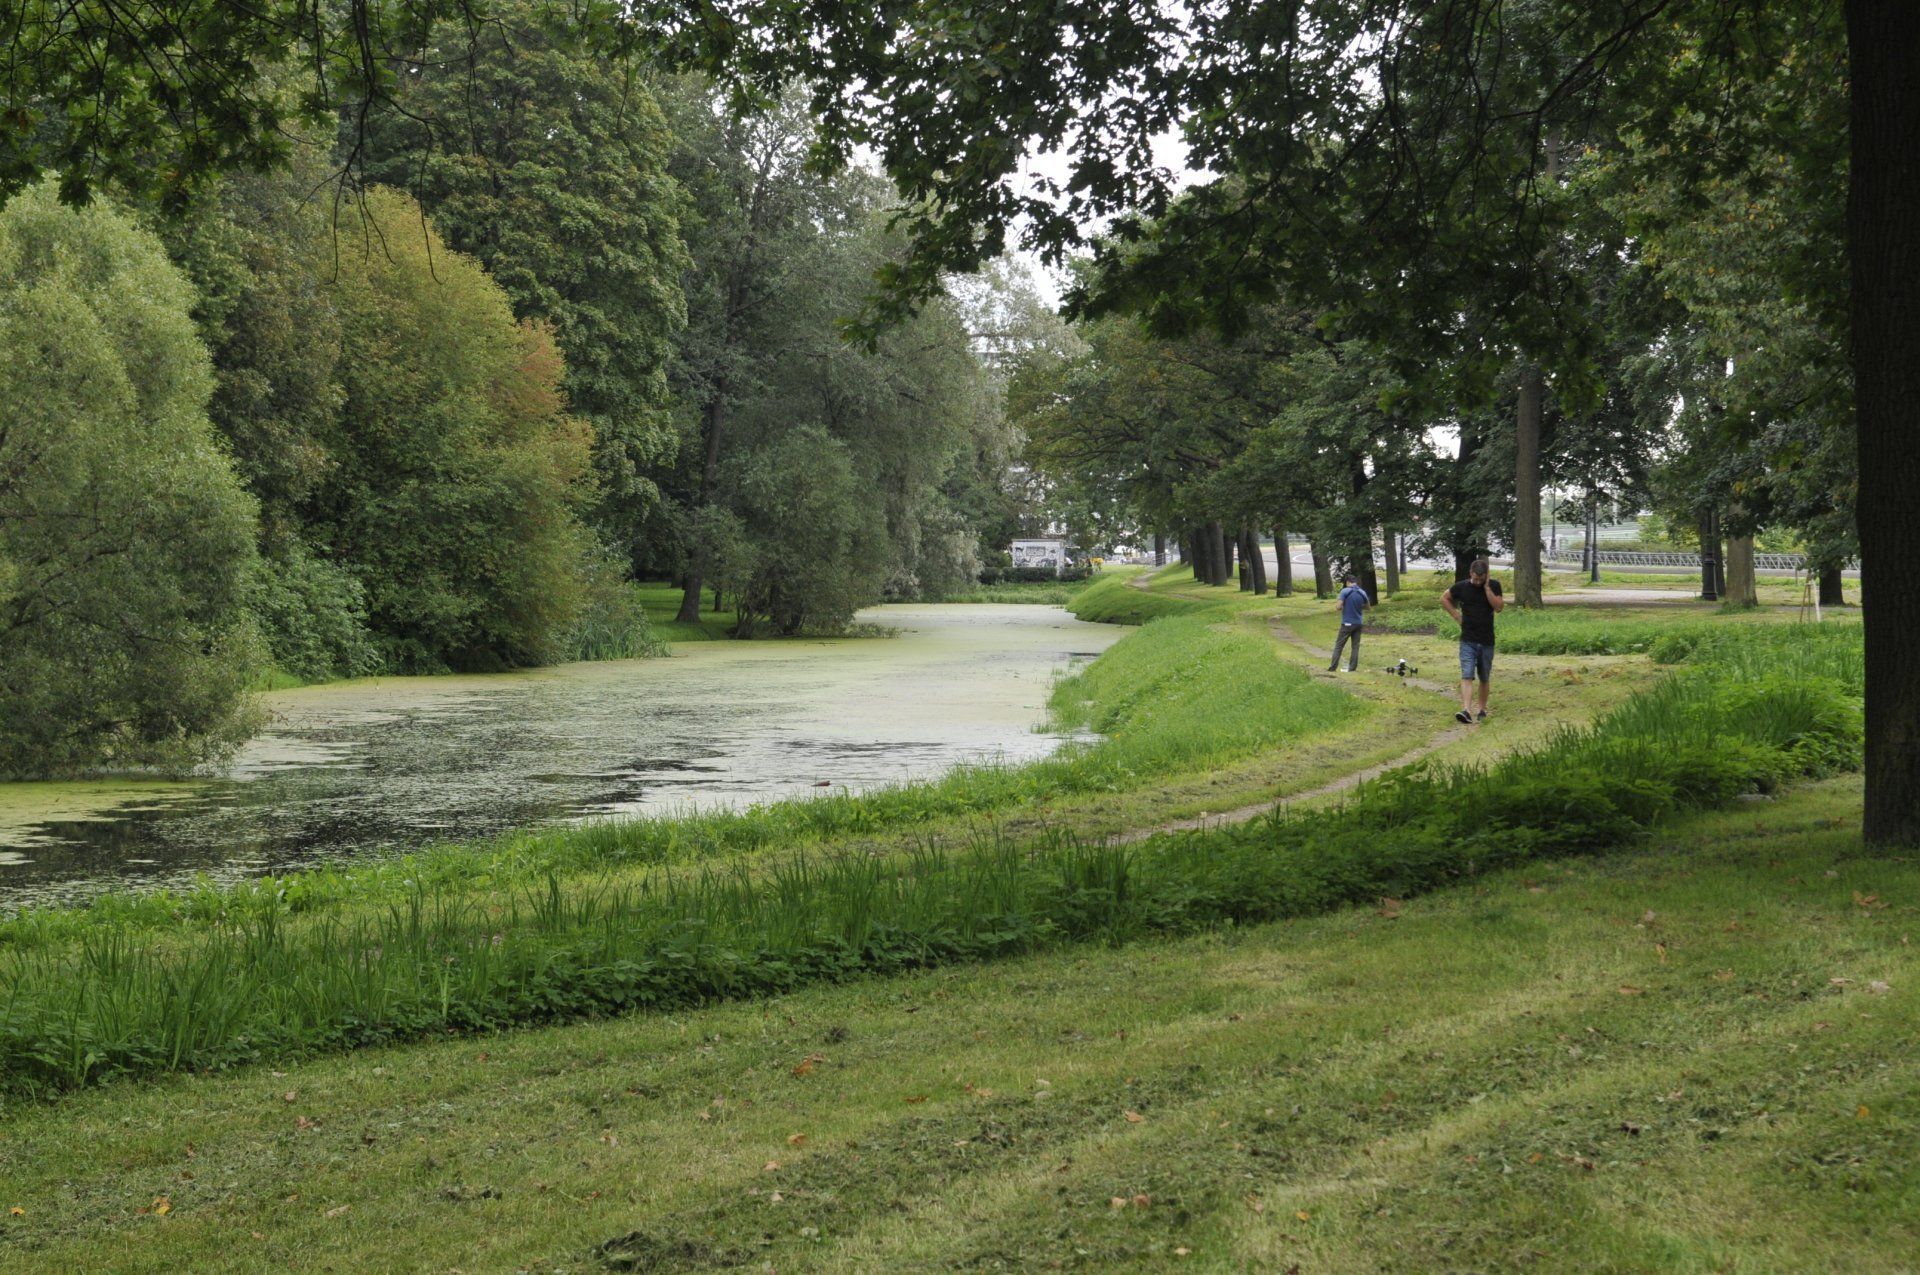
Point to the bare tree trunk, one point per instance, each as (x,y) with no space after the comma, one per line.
(1159,549)
(1709,552)
(1526,486)
(1832,587)
(1226,552)
(1282,563)
(716,426)
(1393,560)
(1255,560)
(1883,46)
(1246,569)
(1195,550)
(1322,571)
(1741,586)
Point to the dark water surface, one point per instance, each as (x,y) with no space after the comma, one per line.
(387,764)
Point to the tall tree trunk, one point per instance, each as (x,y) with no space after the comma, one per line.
(1245,572)
(1222,555)
(1741,588)
(1195,550)
(716,426)
(1526,486)
(1709,555)
(1255,560)
(1883,48)
(1369,573)
(1322,571)
(1159,549)
(1393,560)
(1593,538)
(1282,563)
(1832,587)
(1466,542)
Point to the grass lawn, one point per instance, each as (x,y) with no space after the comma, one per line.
(1694,1056)
(661,602)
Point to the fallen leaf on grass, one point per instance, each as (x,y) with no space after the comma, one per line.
(291,1095)
(1878,986)
(1303,1215)
(1722,975)
(1134,1117)
(771,1166)
(1182,1251)
(1390,909)
(796,1139)
(1255,1204)
(1660,950)
(1116,1202)
(1628,989)
(1860,1114)
(160,1207)
(336,1212)
(775,1198)
(806,1065)
(918,1097)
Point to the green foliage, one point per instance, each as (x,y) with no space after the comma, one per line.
(126,543)
(313,615)
(613,623)
(455,471)
(564,198)
(815,533)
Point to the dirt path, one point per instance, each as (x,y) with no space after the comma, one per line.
(1243,814)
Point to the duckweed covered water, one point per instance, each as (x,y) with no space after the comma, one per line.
(388,764)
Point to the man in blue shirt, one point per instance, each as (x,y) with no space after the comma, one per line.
(1353,601)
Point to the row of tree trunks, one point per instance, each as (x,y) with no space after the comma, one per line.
(1282,563)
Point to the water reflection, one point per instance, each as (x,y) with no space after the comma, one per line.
(365,767)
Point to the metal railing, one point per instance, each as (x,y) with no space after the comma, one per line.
(1691,561)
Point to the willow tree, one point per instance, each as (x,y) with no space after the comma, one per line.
(126,541)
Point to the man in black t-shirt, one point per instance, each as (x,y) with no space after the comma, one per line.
(1472,603)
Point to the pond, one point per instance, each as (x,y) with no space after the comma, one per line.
(387,764)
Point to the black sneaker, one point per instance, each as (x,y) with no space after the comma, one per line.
(1480,716)
(1463,717)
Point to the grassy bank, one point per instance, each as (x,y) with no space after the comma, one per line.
(1676,1058)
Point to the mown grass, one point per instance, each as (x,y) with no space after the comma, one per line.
(1675,1058)
(265,987)
(661,601)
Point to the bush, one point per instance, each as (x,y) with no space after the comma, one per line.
(313,614)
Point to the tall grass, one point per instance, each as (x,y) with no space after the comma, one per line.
(444,957)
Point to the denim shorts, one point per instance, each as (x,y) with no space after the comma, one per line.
(1476,660)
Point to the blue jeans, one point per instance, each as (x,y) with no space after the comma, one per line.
(1476,660)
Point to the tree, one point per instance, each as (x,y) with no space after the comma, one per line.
(126,542)
(455,475)
(549,167)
